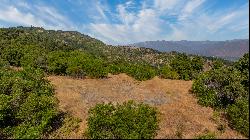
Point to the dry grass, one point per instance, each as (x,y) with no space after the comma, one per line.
(180,114)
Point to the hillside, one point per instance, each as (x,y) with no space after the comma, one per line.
(230,49)
(52,40)
(71,40)
(46,49)
(58,84)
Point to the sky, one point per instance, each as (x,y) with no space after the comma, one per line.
(120,22)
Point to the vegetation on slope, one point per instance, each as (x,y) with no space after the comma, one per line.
(227,88)
(74,54)
(27,105)
(219,84)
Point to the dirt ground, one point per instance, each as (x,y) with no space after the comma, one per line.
(180,115)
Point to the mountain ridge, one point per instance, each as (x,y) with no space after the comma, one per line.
(228,49)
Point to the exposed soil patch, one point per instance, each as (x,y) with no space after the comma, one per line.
(179,111)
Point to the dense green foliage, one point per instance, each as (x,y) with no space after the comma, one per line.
(78,63)
(238,115)
(27,105)
(138,71)
(126,121)
(75,63)
(186,67)
(77,55)
(227,88)
(217,64)
(168,73)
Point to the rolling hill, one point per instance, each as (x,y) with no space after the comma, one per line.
(50,80)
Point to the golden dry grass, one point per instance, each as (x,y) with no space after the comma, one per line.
(180,115)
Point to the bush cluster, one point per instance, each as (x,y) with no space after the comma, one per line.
(227,88)
(238,115)
(126,121)
(138,71)
(27,105)
(168,73)
(77,63)
(187,67)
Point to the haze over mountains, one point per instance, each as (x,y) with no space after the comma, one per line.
(229,49)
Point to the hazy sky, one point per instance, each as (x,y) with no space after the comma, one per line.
(129,21)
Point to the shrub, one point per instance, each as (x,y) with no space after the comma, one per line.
(27,105)
(208,135)
(125,121)
(12,55)
(167,73)
(76,72)
(115,69)
(197,63)
(95,68)
(227,88)
(140,72)
(219,88)
(217,64)
(182,65)
(243,63)
(205,96)
(186,67)
(34,56)
(57,62)
(76,64)
(238,116)
(243,66)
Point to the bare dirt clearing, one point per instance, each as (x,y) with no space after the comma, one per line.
(180,115)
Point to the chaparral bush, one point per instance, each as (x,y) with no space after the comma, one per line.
(227,88)
(27,105)
(123,121)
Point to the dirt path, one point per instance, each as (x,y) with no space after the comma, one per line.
(179,111)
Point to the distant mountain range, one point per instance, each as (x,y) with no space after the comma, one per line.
(230,49)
